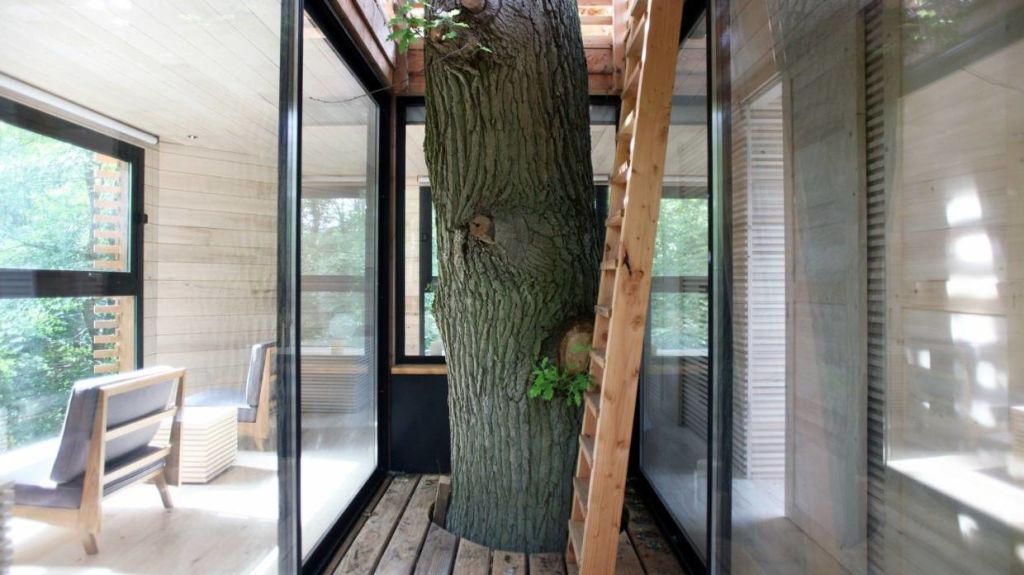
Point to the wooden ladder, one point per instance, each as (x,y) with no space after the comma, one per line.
(651,44)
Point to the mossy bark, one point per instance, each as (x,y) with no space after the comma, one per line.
(508,139)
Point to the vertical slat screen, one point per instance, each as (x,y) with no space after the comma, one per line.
(766,299)
(113,317)
(874,108)
(740,289)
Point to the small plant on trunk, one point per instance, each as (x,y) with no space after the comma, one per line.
(550,382)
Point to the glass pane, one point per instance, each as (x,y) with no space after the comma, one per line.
(48,345)
(681,246)
(338,266)
(193,86)
(876,257)
(334,233)
(953,391)
(62,207)
(679,324)
(675,376)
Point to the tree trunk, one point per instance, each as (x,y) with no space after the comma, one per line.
(508,152)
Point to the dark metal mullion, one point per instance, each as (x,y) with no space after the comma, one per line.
(719,528)
(289,288)
(426,260)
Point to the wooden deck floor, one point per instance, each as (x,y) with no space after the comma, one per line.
(398,537)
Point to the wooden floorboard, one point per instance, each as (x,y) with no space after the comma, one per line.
(399,538)
(547,564)
(368,546)
(508,563)
(438,555)
(627,563)
(399,557)
(351,537)
(473,559)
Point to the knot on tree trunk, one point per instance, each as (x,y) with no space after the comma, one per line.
(474,6)
(574,349)
(481,227)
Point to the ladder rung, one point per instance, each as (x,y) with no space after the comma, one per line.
(637,8)
(587,446)
(582,486)
(597,355)
(635,40)
(595,20)
(576,537)
(621,174)
(614,220)
(603,310)
(593,400)
(610,265)
(626,129)
(632,84)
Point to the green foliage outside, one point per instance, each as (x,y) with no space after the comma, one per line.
(334,240)
(679,321)
(45,223)
(550,382)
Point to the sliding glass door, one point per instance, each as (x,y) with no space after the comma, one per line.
(338,261)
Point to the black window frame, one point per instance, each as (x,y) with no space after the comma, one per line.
(47,283)
(411,110)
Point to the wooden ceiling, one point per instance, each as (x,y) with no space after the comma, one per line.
(202,68)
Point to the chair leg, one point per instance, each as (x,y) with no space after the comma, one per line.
(165,494)
(89,542)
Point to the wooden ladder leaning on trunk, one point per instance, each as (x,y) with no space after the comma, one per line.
(652,41)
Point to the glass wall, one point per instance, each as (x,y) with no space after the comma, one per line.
(338,263)
(675,375)
(185,196)
(873,156)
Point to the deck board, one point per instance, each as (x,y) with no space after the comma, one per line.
(473,559)
(438,552)
(547,564)
(400,555)
(368,546)
(398,537)
(508,563)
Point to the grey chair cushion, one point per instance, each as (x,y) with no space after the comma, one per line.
(33,487)
(73,452)
(257,356)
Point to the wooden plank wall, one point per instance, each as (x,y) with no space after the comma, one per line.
(819,62)
(753,66)
(953,252)
(210,261)
(826,291)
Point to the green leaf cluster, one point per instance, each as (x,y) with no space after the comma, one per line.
(550,382)
(409,24)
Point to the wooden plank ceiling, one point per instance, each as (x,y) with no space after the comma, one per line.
(603,25)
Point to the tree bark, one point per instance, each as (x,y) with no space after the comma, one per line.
(508,139)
